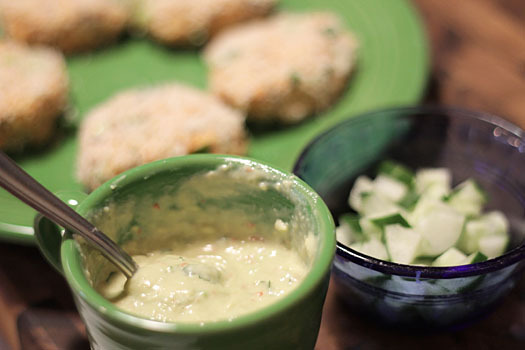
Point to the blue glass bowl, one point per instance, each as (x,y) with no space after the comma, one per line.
(472,145)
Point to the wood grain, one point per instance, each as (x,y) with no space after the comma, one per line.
(478,54)
(31,292)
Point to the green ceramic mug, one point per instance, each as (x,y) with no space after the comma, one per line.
(256,192)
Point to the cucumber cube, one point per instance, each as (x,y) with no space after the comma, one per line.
(344,235)
(468,242)
(390,188)
(374,205)
(423,261)
(397,171)
(468,198)
(475,257)
(434,183)
(492,223)
(493,246)
(392,219)
(451,257)
(370,230)
(424,207)
(402,243)
(497,223)
(362,185)
(373,248)
(409,201)
(349,231)
(440,229)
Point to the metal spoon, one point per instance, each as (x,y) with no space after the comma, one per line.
(28,190)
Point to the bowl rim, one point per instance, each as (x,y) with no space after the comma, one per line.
(73,266)
(511,257)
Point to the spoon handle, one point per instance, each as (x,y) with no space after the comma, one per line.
(20,184)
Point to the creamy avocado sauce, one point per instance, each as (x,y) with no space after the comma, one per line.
(207,280)
(211,246)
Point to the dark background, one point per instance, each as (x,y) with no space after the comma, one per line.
(478,62)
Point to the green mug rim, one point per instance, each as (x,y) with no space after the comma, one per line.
(73,269)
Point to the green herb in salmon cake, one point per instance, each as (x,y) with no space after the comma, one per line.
(419,218)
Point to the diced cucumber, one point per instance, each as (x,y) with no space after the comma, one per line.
(468,242)
(344,234)
(375,205)
(492,223)
(352,220)
(475,257)
(390,188)
(349,231)
(422,261)
(402,243)
(440,229)
(370,230)
(417,219)
(424,207)
(398,172)
(468,198)
(373,248)
(451,257)
(434,183)
(497,222)
(391,219)
(493,246)
(363,184)
(410,200)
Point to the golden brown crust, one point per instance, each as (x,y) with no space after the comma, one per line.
(138,126)
(192,22)
(33,93)
(69,25)
(284,68)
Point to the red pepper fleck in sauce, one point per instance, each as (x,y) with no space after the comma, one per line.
(156,206)
(260,294)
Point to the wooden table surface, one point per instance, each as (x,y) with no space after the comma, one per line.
(478,54)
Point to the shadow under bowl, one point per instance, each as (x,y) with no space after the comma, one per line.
(472,145)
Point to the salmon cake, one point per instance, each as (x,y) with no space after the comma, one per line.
(69,25)
(33,94)
(192,22)
(138,126)
(284,68)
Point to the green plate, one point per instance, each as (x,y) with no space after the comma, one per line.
(392,70)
